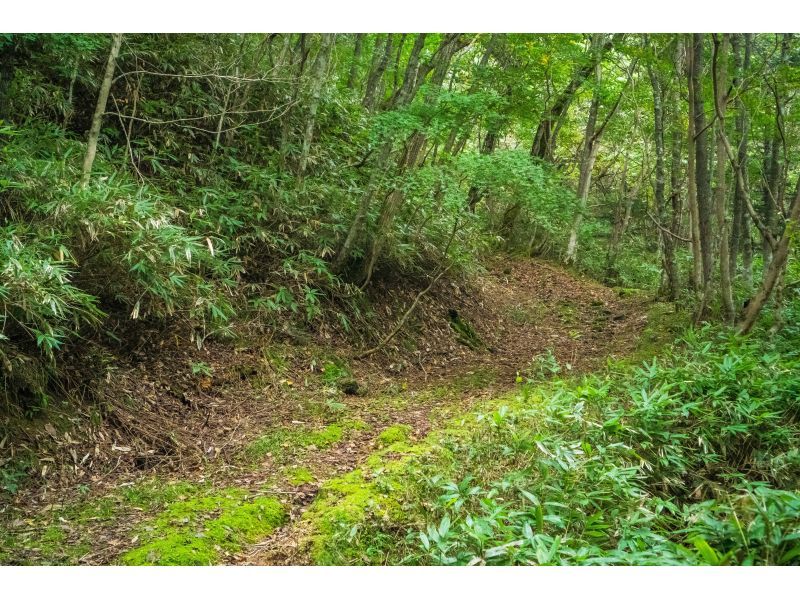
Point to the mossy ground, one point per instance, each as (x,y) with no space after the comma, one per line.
(392,434)
(297,476)
(201,530)
(62,535)
(281,443)
(346,503)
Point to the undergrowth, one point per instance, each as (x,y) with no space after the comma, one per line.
(690,458)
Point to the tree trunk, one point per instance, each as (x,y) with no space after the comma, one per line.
(738,223)
(439,65)
(591,146)
(356,61)
(319,72)
(588,157)
(720,82)
(376,74)
(776,266)
(100,108)
(544,140)
(702,174)
(406,89)
(691,168)
(667,242)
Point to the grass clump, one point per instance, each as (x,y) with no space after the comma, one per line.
(200,530)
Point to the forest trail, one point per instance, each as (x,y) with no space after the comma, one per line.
(533,308)
(284,427)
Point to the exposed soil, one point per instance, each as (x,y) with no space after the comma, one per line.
(162,419)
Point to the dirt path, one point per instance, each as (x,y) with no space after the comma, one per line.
(277,420)
(525,309)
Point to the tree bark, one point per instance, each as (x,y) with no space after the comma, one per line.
(319,72)
(356,61)
(776,266)
(702,174)
(100,109)
(438,65)
(739,220)
(376,74)
(667,241)
(691,168)
(403,93)
(720,82)
(588,157)
(591,145)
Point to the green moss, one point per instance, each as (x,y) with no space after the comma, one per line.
(154,493)
(664,323)
(333,371)
(198,530)
(175,549)
(342,505)
(392,434)
(283,442)
(322,438)
(297,476)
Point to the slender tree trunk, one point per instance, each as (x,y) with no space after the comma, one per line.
(439,65)
(404,92)
(100,108)
(691,176)
(544,140)
(319,72)
(702,174)
(356,61)
(622,217)
(463,130)
(591,146)
(396,68)
(770,190)
(720,82)
(667,242)
(588,157)
(747,254)
(375,78)
(739,221)
(776,266)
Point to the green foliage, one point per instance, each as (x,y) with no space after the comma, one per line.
(688,459)
(201,368)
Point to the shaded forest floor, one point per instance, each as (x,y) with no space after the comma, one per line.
(213,455)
